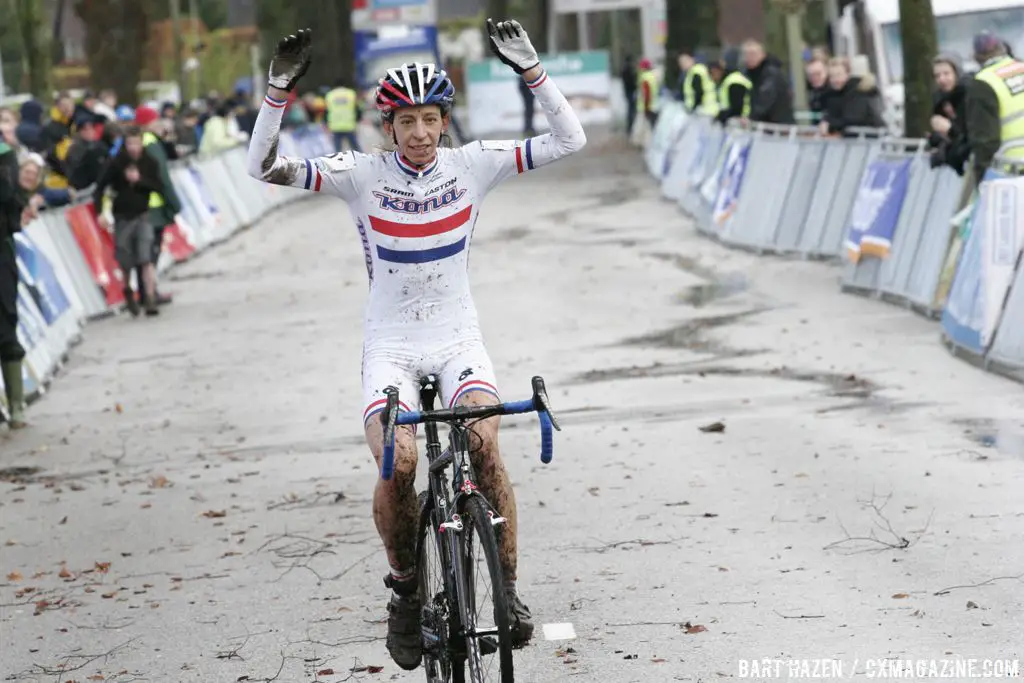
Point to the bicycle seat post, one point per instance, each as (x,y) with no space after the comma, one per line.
(428,392)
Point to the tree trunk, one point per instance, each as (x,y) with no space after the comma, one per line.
(116,33)
(692,25)
(917,25)
(32,22)
(498,10)
(333,48)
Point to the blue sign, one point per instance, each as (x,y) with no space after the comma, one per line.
(876,209)
(39,275)
(732,181)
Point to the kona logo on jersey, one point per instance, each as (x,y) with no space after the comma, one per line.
(435,190)
(404,205)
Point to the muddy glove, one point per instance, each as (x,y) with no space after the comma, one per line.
(291,59)
(511,45)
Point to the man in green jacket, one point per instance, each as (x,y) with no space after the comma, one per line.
(162,209)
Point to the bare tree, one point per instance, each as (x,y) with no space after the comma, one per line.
(116,32)
(31,24)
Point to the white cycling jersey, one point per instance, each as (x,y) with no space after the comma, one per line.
(416,226)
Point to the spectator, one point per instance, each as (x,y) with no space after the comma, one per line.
(87,154)
(134,176)
(163,207)
(649,87)
(733,89)
(217,134)
(699,91)
(245,113)
(770,100)
(628,76)
(855,101)
(186,132)
(994,104)
(818,90)
(56,139)
(13,208)
(30,129)
(30,178)
(106,106)
(8,130)
(948,139)
(525,93)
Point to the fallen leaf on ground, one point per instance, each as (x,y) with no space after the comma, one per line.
(593,490)
(159,482)
(102,567)
(325,672)
(119,408)
(65,574)
(899,596)
(972,605)
(374,669)
(694,628)
(64,520)
(15,576)
(97,677)
(658,660)
(211,514)
(714,427)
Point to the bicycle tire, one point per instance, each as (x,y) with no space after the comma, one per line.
(477,521)
(435,602)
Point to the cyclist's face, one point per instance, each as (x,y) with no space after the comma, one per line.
(417,130)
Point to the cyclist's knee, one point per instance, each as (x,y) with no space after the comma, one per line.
(483,441)
(405,453)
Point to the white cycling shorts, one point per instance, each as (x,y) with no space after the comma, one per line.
(461,367)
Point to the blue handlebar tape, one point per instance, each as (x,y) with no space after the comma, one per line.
(546,440)
(388,466)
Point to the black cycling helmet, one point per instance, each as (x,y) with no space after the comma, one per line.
(413,85)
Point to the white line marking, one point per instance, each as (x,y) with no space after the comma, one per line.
(559,632)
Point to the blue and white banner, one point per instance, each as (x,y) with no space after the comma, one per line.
(876,209)
(38,274)
(988,265)
(731,182)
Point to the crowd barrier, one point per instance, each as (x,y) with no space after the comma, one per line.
(899,230)
(68,273)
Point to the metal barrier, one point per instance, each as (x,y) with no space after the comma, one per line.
(875,200)
(68,273)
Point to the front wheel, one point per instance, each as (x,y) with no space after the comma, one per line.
(482,602)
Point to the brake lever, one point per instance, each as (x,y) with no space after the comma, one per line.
(389,418)
(540,396)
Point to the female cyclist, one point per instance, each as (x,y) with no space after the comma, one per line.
(415,209)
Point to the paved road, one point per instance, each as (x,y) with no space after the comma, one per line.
(198,503)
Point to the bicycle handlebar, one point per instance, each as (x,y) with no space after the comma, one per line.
(391,417)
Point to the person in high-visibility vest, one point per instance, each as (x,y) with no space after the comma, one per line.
(343,114)
(647,98)
(699,92)
(733,88)
(995,103)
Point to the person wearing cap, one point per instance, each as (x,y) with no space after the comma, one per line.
(647,100)
(86,155)
(994,103)
(162,207)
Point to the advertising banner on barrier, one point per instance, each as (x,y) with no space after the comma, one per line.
(988,266)
(876,208)
(98,253)
(38,274)
(495,105)
(731,182)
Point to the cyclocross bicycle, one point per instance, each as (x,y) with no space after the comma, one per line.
(464,610)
